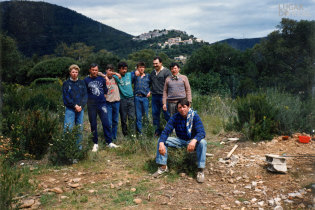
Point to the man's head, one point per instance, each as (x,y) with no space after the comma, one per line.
(174,68)
(110,70)
(183,106)
(141,67)
(122,68)
(157,63)
(93,70)
(74,71)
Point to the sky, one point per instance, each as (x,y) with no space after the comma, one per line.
(210,20)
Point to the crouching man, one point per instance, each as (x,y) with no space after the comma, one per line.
(190,133)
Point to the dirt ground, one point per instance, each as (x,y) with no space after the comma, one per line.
(112,182)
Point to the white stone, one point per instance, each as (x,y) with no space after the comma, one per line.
(261,203)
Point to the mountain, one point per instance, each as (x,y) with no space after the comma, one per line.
(38,27)
(241,44)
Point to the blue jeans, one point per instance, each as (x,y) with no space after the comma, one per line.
(113,114)
(74,118)
(157,105)
(201,149)
(142,107)
(101,111)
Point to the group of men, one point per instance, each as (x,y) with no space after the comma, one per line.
(127,93)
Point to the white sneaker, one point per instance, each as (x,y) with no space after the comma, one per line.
(112,145)
(95,148)
(160,171)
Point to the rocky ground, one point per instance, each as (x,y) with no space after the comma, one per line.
(241,182)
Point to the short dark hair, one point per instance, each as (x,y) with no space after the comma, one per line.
(174,64)
(141,63)
(183,102)
(110,66)
(122,64)
(92,65)
(158,58)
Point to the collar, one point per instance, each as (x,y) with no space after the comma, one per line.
(175,77)
(73,79)
(159,71)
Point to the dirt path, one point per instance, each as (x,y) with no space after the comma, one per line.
(113,182)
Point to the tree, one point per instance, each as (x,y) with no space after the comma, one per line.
(78,51)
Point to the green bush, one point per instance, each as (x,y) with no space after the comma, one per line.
(42,102)
(30,132)
(207,84)
(255,117)
(41,81)
(55,67)
(9,179)
(64,148)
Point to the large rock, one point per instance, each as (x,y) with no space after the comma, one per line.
(276,163)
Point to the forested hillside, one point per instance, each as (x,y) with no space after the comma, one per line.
(39,27)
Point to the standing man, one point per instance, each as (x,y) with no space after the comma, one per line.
(176,87)
(112,99)
(96,88)
(158,77)
(142,94)
(127,106)
(74,97)
(190,133)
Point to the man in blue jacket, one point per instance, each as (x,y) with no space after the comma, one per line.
(96,88)
(190,133)
(74,97)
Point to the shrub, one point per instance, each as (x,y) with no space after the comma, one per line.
(41,81)
(30,132)
(55,67)
(9,178)
(40,101)
(255,117)
(64,148)
(207,84)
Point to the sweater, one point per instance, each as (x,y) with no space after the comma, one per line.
(176,89)
(96,88)
(179,123)
(74,93)
(158,81)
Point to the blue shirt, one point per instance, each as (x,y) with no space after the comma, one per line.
(96,88)
(142,84)
(179,123)
(74,93)
(125,85)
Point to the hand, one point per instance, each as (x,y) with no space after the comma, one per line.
(106,78)
(137,73)
(191,146)
(118,75)
(164,107)
(162,149)
(78,108)
(148,95)
(101,74)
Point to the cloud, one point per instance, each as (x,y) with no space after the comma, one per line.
(208,20)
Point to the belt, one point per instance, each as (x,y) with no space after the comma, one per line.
(140,95)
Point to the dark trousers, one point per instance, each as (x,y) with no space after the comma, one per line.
(157,106)
(127,112)
(101,111)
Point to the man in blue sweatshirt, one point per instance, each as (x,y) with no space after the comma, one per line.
(96,88)
(190,133)
(74,97)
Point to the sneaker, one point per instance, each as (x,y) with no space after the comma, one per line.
(112,145)
(200,177)
(95,148)
(160,171)
(75,161)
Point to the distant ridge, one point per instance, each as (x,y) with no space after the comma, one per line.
(38,27)
(241,44)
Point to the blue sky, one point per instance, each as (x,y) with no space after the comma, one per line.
(210,20)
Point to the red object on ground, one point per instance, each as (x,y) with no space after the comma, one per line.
(304,139)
